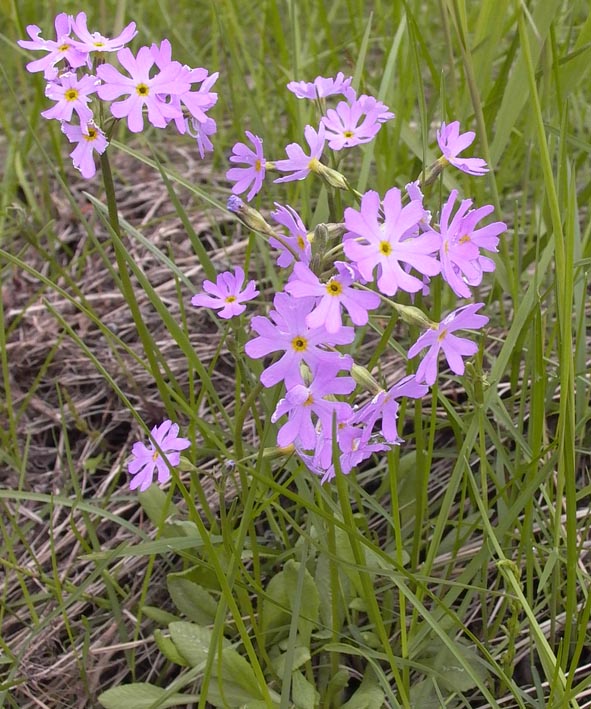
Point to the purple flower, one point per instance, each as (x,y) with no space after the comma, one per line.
(63,47)
(96,42)
(350,125)
(384,405)
(451,143)
(285,330)
(196,102)
(370,104)
(441,338)
(90,139)
(461,262)
(226,295)
(297,239)
(320,87)
(254,174)
(331,296)
(72,96)
(370,243)
(147,458)
(302,401)
(201,133)
(298,162)
(142,90)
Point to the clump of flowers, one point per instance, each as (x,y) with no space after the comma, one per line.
(342,274)
(151,85)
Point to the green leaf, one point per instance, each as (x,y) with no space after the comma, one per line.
(424,696)
(303,693)
(238,681)
(192,641)
(369,695)
(156,505)
(280,600)
(191,599)
(142,695)
(159,616)
(450,672)
(301,655)
(169,649)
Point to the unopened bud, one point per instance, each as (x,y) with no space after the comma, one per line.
(252,218)
(333,178)
(278,452)
(414,316)
(362,376)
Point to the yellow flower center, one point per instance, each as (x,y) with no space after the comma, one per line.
(334,287)
(446,246)
(92,135)
(385,248)
(314,165)
(71,95)
(98,43)
(64,47)
(464,239)
(441,335)
(301,243)
(142,90)
(258,166)
(309,401)
(348,134)
(230,299)
(155,456)
(299,343)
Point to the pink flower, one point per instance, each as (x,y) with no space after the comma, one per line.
(254,173)
(370,243)
(142,90)
(96,42)
(285,330)
(331,296)
(298,162)
(453,347)
(451,143)
(226,295)
(370,104)
(320,87)
(297,239)
(461,262)
(147,459)
(63,47)
(350,125)
(201,133)
(196,102)
(384,405)
(301,402)
(90,139)
(72,96)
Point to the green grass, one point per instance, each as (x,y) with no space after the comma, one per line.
(451,571)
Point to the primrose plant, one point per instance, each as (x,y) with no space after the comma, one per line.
(345,272)
(341,274)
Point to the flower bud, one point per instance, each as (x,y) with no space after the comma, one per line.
(333,178)
(362,376)
(414,316)
(249,216)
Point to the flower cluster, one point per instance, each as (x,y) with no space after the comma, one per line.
(151,84)
(341,273)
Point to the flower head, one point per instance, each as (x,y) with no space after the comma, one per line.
(451,143)
(349,125)
(142,89)
(461,262)
(285,330)
(254,174)
(337,293)
(62,48)
(90,139)
(297,239)
(321,86)
(147,459)
(72,96)
(226,295)
(370,242)
(453,347)
(298,163)
(95,41)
